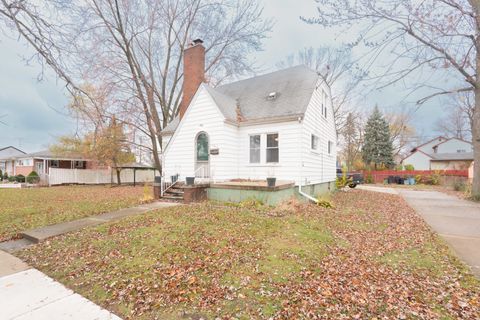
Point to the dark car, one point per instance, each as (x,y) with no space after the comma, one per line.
(353,178)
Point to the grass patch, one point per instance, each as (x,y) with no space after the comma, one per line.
(361,259)
(23,209)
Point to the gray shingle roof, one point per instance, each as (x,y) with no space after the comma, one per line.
(452,156)
(293,87)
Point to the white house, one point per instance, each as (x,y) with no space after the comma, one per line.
(7,159)
(278,125)
(441,154)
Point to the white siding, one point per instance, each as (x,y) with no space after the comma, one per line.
(453,145)
(202,115)
(418,160)
(319,166)
(296,160)
(428,147)
(288,167)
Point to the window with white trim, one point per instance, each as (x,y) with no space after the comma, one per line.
(330,147)
(24,162)
(255,148)
(79,164)
(314,142)
(272,149)
(324,103)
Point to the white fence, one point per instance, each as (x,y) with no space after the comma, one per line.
(87,176)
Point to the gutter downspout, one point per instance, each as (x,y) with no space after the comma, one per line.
(309,197)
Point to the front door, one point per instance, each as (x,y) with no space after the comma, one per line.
(39,167)
(202,157)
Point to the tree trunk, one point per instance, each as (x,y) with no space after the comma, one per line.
(476,139)
(118,177)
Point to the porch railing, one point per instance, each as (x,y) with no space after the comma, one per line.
(166,185)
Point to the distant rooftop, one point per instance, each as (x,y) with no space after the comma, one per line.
(467,156)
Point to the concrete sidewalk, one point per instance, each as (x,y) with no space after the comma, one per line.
(456,220)
(27,293)
(37,235)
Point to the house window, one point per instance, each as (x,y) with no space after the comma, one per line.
(324,104)
(314,142)
(272,148)
(54,164)
(255,148)
(79,164)
(202,147)
(330,147)
(24,162)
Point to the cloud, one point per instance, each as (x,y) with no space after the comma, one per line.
(28,105)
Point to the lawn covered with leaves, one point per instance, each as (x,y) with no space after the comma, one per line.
(371,257)
(22,209)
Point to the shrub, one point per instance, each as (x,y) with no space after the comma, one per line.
(324,203)
(418,179)
(369,178)
(1,175)
(33,177)
(409,167)
(5,176)
(342,181)
(435,179)
(12,178)
(459,186)
(399,167)
(20,178)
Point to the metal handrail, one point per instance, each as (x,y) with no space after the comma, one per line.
(165,186)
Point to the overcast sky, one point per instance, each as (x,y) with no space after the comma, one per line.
(29,106)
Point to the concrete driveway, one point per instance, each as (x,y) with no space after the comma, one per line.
(457,221)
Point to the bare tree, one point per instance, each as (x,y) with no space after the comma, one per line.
(134,49)
(402,132)
(341,73)
(352,140)
(458,119)
(433,35)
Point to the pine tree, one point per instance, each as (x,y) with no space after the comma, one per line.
(377,147)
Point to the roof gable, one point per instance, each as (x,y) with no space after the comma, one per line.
(9,152)
(249,99)
(423,145)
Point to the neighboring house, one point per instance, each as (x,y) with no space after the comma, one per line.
(441,154)
(42,161)
(7,159)
(278,125)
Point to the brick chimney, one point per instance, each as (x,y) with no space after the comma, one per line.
(193,73)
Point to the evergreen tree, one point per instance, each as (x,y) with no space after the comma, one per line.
(377,146)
